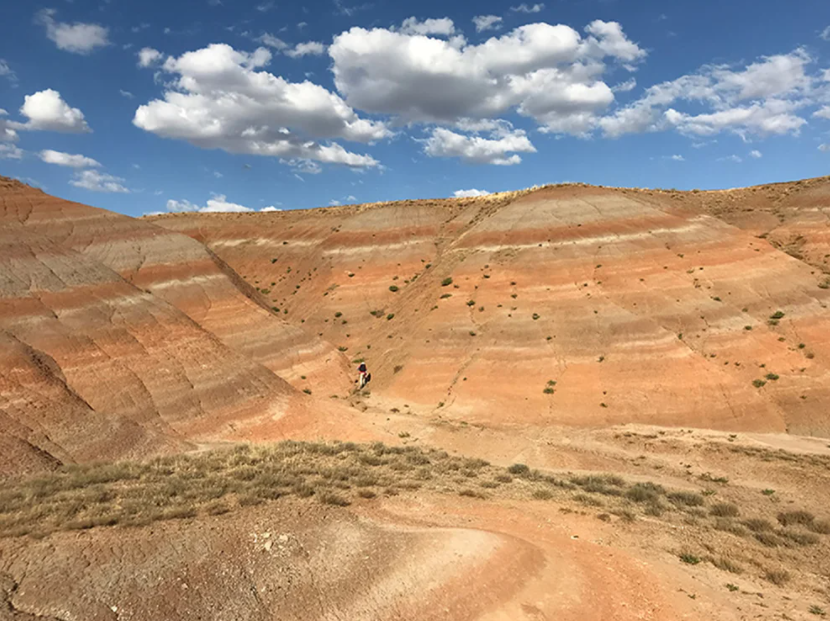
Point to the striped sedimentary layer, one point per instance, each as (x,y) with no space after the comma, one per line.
(121,339)
(568,305)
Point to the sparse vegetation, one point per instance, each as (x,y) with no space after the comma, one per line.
(446,282)
(393,288)
(724,510)
(689,558)
(778,577)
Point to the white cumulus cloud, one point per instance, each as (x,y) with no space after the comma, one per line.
(221,98)
(550,73)
(756,154)
(501,149)
(47,111)
(761,98)
(487,22)
(469,193)
(67,159)
(79,38)
(218,203)
(98,182)
(270,208)
(148,56)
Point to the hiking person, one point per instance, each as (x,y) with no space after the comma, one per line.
(364,376)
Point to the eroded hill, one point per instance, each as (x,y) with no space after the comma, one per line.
(572,304)
(122,339)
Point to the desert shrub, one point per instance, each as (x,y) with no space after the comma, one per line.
(769,539)
(725,563)
(800,518)
(688,499)
(366,493)
(446,282)
(728,526)
(644,492)
(689,558)
(542,494)
(758,525)
(590,501)
(654,508)
(332,498)
(800,537)
(822,527)
(777,576)
(724,510)
(393,288)
(518,469)
(471,494)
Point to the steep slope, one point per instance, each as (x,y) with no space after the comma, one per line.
(639,305)
(181,272)
(108,349)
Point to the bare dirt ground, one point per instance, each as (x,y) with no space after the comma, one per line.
(432,553)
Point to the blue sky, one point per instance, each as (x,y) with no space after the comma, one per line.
(156,106)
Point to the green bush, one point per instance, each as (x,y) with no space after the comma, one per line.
(446,282)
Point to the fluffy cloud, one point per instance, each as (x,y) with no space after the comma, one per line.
(524,8)
(487,22)
(312,48)
(761,98)
(67,159)
(822,113)
(735,159)
(443,27)
(148,56)
(10,152)
(824,148)
(550,73)
(47,111)
(78,38)
(756,154)
(469,193)
(477,149)
(270,208)
(218,203)
(825,34)
(677,158)
(98,182)
(222,99)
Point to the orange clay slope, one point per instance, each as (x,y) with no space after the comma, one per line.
(119,339)
(568,304)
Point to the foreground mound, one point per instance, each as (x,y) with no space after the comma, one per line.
(398,533)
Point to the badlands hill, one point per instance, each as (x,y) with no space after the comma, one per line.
(120,339)
(578,409)
(563,305)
